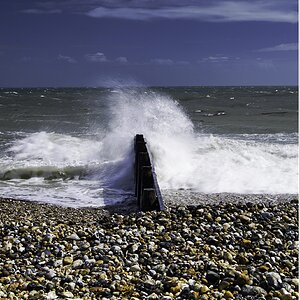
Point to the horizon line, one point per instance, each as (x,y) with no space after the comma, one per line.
(144,86)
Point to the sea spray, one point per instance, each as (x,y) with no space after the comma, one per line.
(185,159)
(219,164)
(95,167)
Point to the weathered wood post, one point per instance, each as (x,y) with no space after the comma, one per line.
(148,199)
(146,186)
(142,161)
(139,146)
(146,183)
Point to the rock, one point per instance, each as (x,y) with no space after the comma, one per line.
(58,263)
(103,276)
(204,289)
(228,295)
(267,215)
(274,280)
(295,282)
(153,296)
(169,255)
(246,242)
(73,237)
(77,263)
(90,262)
(197,287)
(226,226)
(245,219)
(212,277)
(150,284)
(228,256)
(263,268)
(7,246)
(51,296)
(67,295)
(243,279)
(133,248)
(116,249)
(242,259)
(85,245)
(51,273)
(72,285)
(285,295)
(253,290)
(224,285)
(68,260)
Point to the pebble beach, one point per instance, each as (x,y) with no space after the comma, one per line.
(240,249)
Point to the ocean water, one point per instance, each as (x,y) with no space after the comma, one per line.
(74,146)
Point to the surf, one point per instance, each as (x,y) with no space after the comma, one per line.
(95,168)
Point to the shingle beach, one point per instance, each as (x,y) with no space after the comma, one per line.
(216,250)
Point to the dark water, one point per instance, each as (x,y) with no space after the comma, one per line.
(240,109)
(73,146)
(213,109)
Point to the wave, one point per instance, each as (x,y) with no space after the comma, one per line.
(215,164)
(184,159)
(46,172)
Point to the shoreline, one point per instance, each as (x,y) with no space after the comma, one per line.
(172,199)
(221,250)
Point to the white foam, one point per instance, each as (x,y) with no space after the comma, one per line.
(43,148)
(213,164)
(182,157)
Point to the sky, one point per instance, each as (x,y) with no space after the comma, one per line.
(69,43)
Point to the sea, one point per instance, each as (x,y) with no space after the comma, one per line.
(74,146)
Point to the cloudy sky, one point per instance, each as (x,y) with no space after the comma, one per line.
(148,42)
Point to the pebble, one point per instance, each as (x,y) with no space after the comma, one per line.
(209,251)
(67,295)
(73,237)
(228,295)
(68,260)
(212,277)
(51,296)
(274,280)
(50,274)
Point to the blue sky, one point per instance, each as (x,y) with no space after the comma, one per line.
(170,42)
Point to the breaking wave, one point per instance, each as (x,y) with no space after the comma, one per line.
(100,163)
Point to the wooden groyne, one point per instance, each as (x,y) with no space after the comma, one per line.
(146,186)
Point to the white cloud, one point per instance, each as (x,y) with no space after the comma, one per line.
(266,64)
(221,11)
(66,59)
(168,62)
(214,59)
(41,11)
(162,61)
(281,47)
(98,57)
(122,60)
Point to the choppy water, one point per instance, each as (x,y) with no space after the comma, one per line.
(75,146)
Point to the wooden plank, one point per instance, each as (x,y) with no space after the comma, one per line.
(155,183)
(148,199)
(143,160)
(147,189)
